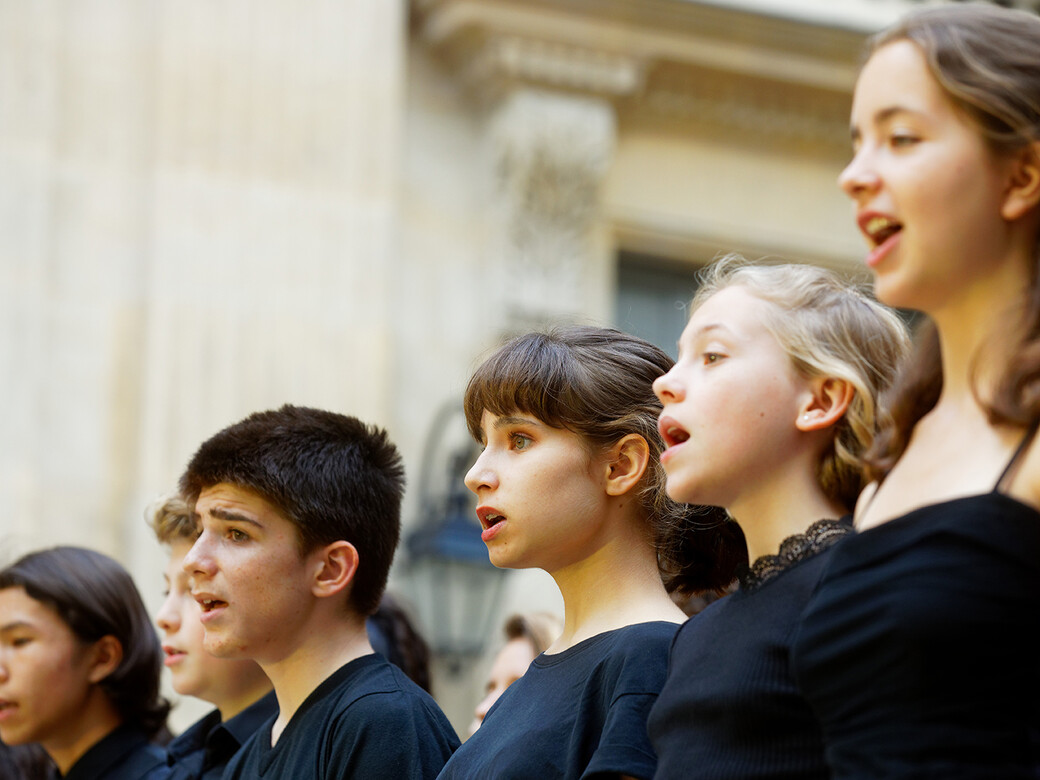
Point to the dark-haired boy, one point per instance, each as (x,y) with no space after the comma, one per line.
(299,514)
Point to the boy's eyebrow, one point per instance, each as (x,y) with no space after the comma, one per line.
(232,516)
(14,624)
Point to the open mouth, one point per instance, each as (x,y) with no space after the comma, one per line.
(672,432)
(879,229)
(208,605)
(491,520)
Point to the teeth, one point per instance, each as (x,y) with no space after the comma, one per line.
(876,225)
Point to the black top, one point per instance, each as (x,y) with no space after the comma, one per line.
(919,651)
(576,714)
(205,747)
(366,720)
(730,707)
(124,754)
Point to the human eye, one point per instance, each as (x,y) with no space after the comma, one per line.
(520,441)
(237,535)
(20,641)
(710,358)
(899,139)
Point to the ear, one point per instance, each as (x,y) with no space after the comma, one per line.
(106,655)
(827,405)
(335,566)
(627,464)
(1023,193)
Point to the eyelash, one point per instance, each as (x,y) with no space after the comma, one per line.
(515,438)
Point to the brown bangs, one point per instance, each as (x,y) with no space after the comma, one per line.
(533,374)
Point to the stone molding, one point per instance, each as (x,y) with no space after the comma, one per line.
(781,75)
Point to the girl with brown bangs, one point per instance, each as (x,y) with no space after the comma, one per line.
(569,481)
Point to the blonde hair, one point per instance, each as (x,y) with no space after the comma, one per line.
(171,519)
(829,329)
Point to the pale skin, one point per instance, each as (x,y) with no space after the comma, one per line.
(613,580)
(745,430)
(284,610)
(978,304)
(604,565)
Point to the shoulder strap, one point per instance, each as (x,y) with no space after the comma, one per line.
(1021,448)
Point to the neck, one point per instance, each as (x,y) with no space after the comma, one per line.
(781,507)
(333,642)
(95,721)
(232,704)
(618,585)
(974,326)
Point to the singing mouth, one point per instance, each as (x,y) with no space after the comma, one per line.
(672,432)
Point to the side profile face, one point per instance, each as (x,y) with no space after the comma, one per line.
(247,574)
(928,191)
(508,667)
(731,403)
(541,494)
(44,673)
(193,670)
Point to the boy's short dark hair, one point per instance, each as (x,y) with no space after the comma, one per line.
(332,476)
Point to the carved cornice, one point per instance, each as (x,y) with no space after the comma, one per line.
(712,62)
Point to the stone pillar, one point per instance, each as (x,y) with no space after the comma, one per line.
(550,152)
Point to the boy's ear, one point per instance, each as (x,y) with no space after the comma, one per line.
(828,403)
(1023,192)
(335,569)
(627,464)
(106,655)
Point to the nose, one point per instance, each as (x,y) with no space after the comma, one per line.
(3,667)
(859,177)
(481,475)
(668,389)
(199,560)
(168,618)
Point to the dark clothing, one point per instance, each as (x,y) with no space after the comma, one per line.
(730,707)
(205,747)
(576,714)
(367,720)
(124,754)
(919,651)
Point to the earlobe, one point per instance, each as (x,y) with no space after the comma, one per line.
(828,403)
(107,655)
(628,462)
(1024,187)
(336,567)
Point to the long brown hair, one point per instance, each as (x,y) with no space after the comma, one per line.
(985,59)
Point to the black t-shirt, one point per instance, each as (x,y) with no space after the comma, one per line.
(124,754)
(205,747)
(576,714)
(366,720)
(731,708)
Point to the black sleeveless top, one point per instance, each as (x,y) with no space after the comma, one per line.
(920,650)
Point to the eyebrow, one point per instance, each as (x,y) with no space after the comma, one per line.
(880,117)
(229,515)
(14,625)
(505,422)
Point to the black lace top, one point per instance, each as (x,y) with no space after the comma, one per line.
(817,538)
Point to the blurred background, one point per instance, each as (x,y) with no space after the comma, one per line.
(212,207)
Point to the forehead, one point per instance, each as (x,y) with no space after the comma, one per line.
(227,498)
(734,310)
(897,77)
(18,607)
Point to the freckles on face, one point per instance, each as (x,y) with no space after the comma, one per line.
(730,403)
